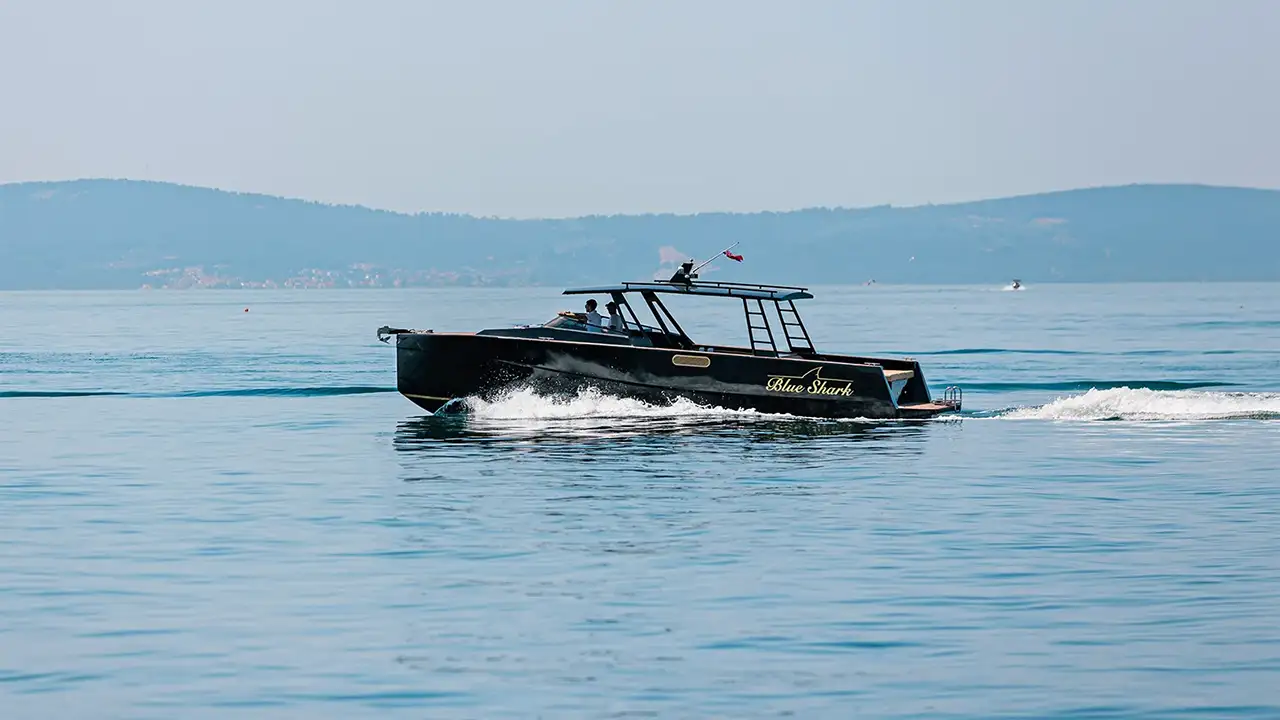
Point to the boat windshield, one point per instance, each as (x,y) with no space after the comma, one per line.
(578,321)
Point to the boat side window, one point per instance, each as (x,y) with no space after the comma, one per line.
(566,320)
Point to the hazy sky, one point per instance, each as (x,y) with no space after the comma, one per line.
(554,107)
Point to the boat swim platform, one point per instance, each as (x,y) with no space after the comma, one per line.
(929,407)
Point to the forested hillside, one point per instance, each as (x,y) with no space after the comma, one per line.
(128,234)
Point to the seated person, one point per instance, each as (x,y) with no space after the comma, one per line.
(594,320)
(616,322)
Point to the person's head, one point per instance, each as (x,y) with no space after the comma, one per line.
(612,307)
(591,305)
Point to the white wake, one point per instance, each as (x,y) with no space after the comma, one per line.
(520,406)
(525,404)
(1142,404)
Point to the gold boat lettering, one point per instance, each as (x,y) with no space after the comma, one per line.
(810,383)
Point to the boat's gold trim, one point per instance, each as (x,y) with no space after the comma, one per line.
(698,361)
(426,397)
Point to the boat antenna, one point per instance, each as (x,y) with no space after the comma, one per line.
(713,257)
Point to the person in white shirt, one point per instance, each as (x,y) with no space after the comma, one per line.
(594,320)
(615,316)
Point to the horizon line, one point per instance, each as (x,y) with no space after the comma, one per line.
(357,206)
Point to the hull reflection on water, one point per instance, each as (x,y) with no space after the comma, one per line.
(430,431)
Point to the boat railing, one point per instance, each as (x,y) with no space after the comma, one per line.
(756,286)
(953,395)
(641,284)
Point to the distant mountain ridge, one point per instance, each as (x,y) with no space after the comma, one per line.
(90,234)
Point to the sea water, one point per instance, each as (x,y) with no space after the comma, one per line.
(213,504)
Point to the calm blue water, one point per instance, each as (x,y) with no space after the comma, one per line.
(208,512)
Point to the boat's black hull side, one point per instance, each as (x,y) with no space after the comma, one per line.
(433,368)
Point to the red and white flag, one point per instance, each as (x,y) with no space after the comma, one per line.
(731,256)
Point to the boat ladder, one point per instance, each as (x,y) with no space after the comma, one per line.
(797,343)
(760,344)
(953,395)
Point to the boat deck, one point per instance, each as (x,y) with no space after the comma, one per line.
(929,407)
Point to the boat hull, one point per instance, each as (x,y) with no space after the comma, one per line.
(434,368)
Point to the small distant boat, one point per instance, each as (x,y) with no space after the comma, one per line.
(1017,284)
(779,371)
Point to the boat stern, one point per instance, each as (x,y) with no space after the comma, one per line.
(951,402)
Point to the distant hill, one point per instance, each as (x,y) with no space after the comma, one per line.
(127,234)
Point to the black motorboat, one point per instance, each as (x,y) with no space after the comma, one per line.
(779,371)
